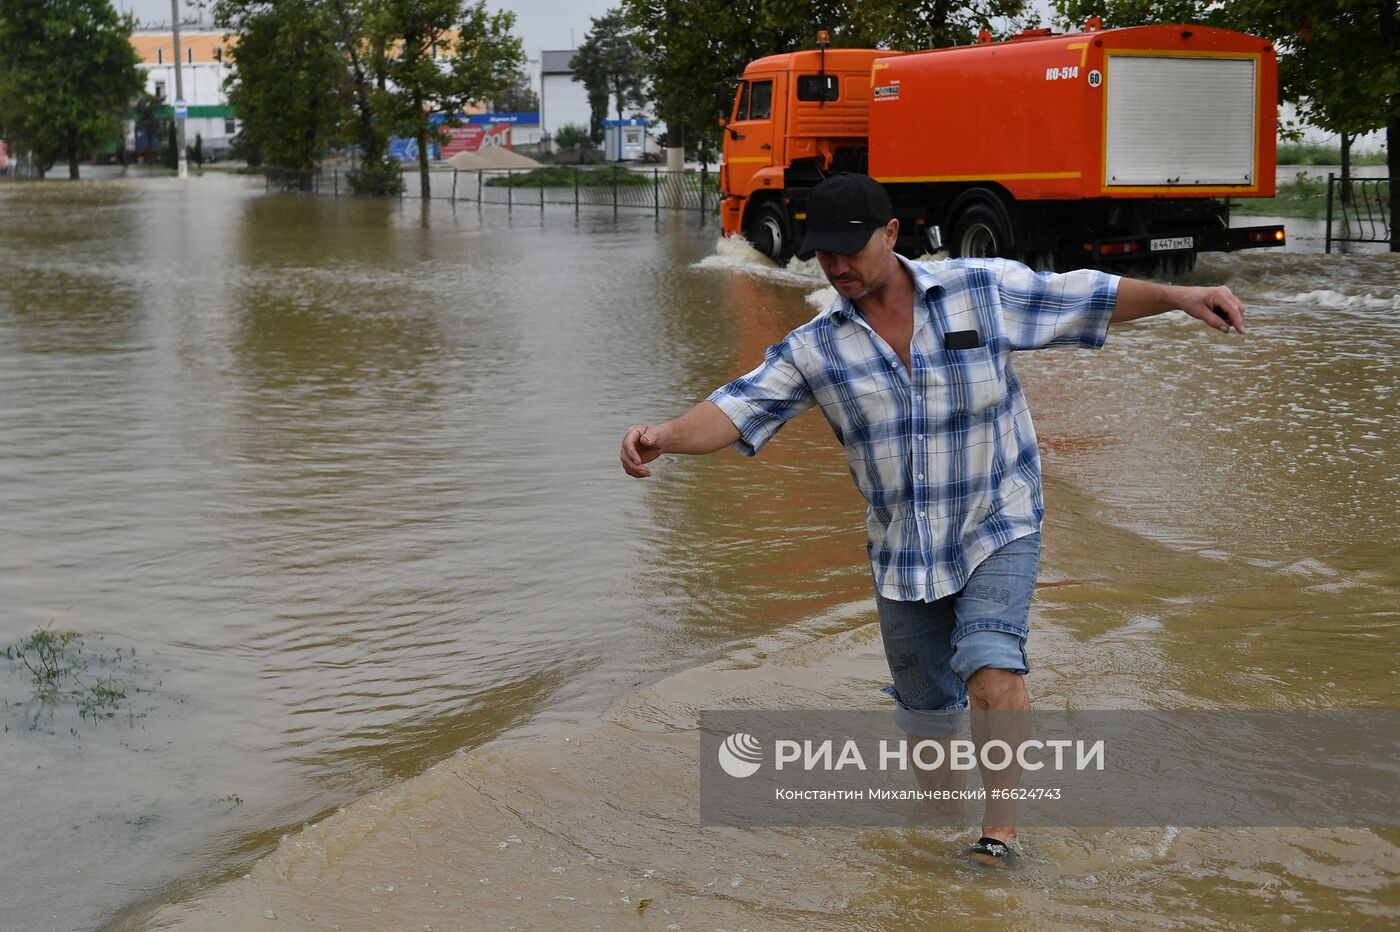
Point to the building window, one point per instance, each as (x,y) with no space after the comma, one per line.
(160,56)
(230,127)
(189,55)
(218,55)
(160,89)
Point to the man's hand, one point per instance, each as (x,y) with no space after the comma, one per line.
(1216,306)
(640,446)
(702,429)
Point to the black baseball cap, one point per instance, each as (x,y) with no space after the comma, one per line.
(842,212)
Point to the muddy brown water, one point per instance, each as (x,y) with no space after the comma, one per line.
(342,475)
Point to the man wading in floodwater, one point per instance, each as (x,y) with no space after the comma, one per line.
(911,365)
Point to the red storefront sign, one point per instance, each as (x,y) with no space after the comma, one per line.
(474,137)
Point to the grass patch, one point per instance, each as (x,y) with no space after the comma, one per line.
(66,674)
(563,177)
(1305,198)
(1297,153)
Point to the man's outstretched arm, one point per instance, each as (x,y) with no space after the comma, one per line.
(1216,306)
(702,429)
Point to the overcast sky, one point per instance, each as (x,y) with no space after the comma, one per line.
(541,24)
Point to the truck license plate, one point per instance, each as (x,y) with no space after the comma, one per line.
(1171,242)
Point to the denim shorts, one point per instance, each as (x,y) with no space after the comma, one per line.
(933,648)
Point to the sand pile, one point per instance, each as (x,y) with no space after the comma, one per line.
(493,157)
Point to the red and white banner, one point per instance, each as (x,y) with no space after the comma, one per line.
(474,137)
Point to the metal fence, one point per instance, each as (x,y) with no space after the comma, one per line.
(1361,208)
(612,187)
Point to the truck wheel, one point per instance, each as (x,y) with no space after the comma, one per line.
(768,232)
(978,234)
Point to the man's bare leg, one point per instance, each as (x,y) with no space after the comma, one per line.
(942,779)
(1001,692)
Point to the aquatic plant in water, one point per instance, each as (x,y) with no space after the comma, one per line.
(64,671)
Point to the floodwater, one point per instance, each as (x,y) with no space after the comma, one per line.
(329,490)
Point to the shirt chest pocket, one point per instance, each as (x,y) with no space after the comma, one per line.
(976,379)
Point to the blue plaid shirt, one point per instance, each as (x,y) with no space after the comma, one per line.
(945,455)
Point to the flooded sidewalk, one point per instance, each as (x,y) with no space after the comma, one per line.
(597,827)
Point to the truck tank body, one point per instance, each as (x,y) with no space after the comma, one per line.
(1152,111)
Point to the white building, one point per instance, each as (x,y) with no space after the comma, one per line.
(206,64)
(562,99)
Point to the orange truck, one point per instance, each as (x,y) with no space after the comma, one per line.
(1117,148)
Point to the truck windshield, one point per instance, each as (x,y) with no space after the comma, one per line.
(755,101)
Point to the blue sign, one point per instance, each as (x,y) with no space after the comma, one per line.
(523,119)
(406,150)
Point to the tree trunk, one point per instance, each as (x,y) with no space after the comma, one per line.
(1346,169)
(308,154)
(369,139)
(423,163)
(72,162)
(1392,159)
(675,146)
(675,163)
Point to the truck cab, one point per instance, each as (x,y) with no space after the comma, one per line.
(797,117)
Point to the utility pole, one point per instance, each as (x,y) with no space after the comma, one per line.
(180,111)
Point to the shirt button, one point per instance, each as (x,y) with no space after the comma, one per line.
(920,437)
(918,397)
(921,475)
(921,514)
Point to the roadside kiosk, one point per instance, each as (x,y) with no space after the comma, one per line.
(625,140)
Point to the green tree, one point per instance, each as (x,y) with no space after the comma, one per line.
(694,51)
(289,84)
(67,75)
(609,65)
(518,97)
(1072,14)
(448,54)
(366,63)
(927,24)
(169,150)
(1339,62)
(149,117)
(571,134)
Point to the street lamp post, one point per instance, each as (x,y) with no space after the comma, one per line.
(180,111)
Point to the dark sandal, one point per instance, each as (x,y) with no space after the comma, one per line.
(993,852)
